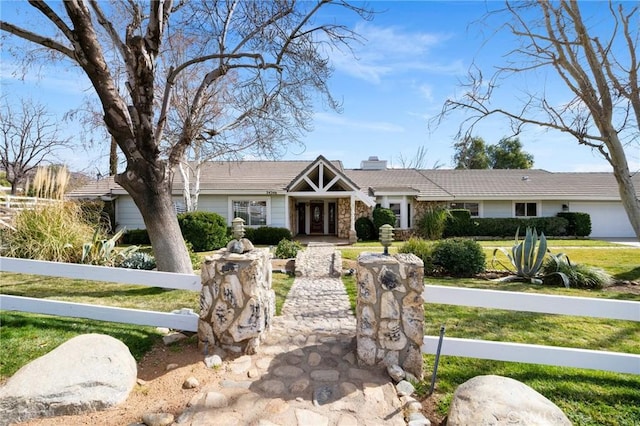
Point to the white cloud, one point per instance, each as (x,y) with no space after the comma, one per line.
(426,90)
(345,122)
(391,50)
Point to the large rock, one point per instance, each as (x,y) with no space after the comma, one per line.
(87,373)
(496,400)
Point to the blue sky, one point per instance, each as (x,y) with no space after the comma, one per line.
(414,57)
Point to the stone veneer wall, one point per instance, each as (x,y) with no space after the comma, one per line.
(362,210)
(237,303)
(344,217)
(390,311)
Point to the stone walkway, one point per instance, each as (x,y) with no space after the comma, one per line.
(305,372)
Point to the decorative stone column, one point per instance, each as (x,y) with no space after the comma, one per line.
(237,303)
(390,311)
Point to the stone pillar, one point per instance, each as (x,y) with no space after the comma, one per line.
(390,311)
(237,303)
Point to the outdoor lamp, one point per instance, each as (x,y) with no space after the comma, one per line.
(386,237)
(238,228)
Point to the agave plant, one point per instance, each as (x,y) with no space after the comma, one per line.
(526,258)
(101,251)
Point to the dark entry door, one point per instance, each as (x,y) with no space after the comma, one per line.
(301,219)
(317,218)
(332,218)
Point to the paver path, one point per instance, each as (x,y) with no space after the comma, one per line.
(305,373)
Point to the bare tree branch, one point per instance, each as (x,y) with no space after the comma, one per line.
(35,38)
(604,83)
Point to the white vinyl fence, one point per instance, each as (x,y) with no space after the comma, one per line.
(536,354)
(186,322)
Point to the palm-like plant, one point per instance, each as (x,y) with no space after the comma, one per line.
(526,258)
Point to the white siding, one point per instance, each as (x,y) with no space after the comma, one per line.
(497,209)
(278,213)
(215,204)
(608,219)
(127,214)
(551,208)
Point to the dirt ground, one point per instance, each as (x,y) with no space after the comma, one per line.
(158,389)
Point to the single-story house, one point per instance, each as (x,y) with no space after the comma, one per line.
(321,197)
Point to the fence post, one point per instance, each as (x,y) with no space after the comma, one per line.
(390,311)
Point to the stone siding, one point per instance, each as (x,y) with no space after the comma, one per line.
(344,217)
(362,210)
(390,311)
(237,303)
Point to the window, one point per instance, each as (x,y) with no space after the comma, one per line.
(474,208)
(254,213)
(395,208)
(526,209)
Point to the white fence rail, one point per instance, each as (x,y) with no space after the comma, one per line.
(185,322)
(15,202)
(536,354)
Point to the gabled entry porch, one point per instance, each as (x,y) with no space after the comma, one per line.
(322,201)
(316,217)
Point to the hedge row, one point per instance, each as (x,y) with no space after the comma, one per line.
(205,238)
(459,226)
(267,235)
(579,223)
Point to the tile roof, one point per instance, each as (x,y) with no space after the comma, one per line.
(397,180)
(440,184)
(526,184)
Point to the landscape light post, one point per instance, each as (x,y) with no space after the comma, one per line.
(386,237)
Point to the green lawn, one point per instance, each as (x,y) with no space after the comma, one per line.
(27,336)
(620,261)
(588,397)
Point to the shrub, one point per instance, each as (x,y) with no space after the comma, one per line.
(136,236)
(93,211)
(458,224)
(431,224)
(365,231)
(579,275)
(507,227)
(102,251)
(579,224)
(268,235)
(205,231)
(526,258)
(53,232)
(287,249)
(139,260)
(421,248)
(459,257)
(249,233)
(382,216)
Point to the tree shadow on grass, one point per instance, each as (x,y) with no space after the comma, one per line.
(631,275)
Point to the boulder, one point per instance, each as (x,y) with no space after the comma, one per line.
(497,400)
(87,373)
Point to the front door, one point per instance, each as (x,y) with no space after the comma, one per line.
(332,218)
(317,218)
(301,219)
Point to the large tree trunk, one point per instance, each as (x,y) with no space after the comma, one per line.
(621,172)
(155,204)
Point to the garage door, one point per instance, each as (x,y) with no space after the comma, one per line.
(608,219)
